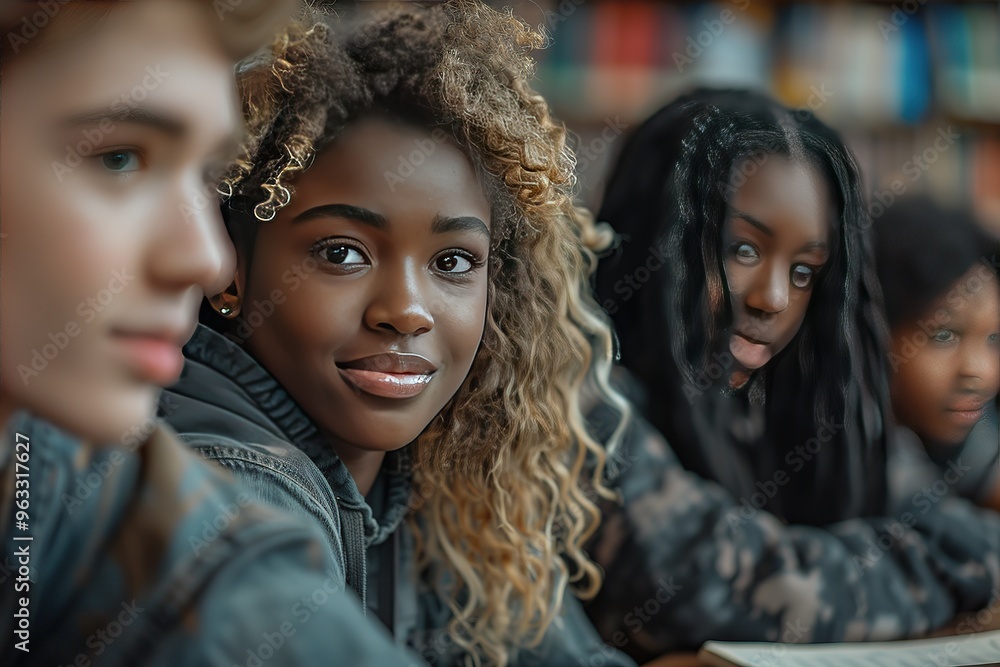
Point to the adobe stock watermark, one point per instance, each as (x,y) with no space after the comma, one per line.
(102,639)
(898,17)
(913,169)
(699,43)
(563,11)
(796,460)
(219,524)
(204,198)
(909,348)
(100,470)
(635,620)
(588,153)
(793,633)
(87,310)
(30,26)
(92,138)
(896,530)
(630,283)
(301,611)
(423,148)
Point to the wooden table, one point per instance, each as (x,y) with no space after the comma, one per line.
(691,659)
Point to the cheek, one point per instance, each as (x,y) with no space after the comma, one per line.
(738,278)
(798,309)
(462,324)
(920,378)
(317,315)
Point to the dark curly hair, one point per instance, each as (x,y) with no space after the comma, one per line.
(510,505)
(671,189)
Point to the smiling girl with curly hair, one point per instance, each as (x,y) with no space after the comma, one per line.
(403,352)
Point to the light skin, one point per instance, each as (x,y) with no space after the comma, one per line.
(108,250)
(365,266)
(946,371)
(775,241)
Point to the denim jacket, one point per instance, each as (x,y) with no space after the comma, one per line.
(146,555)
(232,411)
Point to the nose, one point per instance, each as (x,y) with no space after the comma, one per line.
(979,361)
(191,247)
(399,303)
(769,290)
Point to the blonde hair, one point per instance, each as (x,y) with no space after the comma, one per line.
(508,472)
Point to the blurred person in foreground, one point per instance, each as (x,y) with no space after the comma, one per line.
(121,547)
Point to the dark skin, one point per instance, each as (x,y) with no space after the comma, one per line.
(775,240)
(945,375)
(384,283)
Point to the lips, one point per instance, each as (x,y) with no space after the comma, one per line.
(389,374)
(153,355)
(752,353)
(969,405)
(969,410)
(755,341)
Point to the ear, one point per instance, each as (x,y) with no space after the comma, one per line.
(229,302)
(242,228)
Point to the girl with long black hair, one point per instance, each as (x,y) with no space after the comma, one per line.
(761,341)
(745,299)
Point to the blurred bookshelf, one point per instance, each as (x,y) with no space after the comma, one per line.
(892,77)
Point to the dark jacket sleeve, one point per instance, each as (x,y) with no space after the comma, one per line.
(685,562)
(275,605)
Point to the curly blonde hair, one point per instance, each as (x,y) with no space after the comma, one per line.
(508,472)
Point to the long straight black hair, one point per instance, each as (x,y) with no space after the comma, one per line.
(821,455)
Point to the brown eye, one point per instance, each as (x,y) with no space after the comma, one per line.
(340,254)
(336,254)
(453,264)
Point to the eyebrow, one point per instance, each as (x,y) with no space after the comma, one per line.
(812,246)
(134,115)
(227,150)
(753,221)
(470,223)
(440,225)
(356,213)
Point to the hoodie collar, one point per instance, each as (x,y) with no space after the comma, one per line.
(266,396)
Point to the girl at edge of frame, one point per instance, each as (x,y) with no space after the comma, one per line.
(937,267)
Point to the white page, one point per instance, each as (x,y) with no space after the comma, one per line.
(981,648)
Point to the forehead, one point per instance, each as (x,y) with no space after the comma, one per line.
(151,54)
(976,295)
(385,165)
(790,196)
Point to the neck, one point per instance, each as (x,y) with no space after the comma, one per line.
(738,379)
(363,466)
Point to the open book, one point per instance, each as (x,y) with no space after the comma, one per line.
(981,648)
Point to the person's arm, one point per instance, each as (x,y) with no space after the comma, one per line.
(685,563)
(278,603)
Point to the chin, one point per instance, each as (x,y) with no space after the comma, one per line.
(111,419)
(387,442)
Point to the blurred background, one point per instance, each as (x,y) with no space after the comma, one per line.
(913,86)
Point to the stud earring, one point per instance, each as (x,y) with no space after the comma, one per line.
(228,302)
